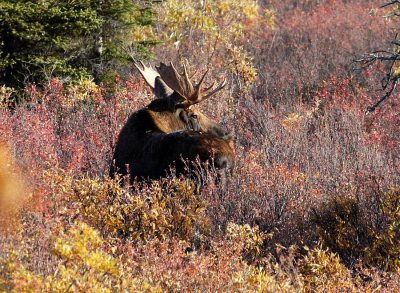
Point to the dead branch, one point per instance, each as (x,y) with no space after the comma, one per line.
(390,81)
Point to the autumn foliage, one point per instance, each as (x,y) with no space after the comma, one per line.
(313,203)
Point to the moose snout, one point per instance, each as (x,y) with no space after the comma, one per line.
(223,162)
(224,165)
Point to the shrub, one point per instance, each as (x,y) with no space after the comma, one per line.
(385,249)
(322,271)
(251,238)
(340,227)
(216,29)
(81,264)
(6,97)
(253,279)
(343,226)
(312,41)
(164,209)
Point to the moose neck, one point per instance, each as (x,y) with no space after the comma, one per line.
(163,113)
(166,121)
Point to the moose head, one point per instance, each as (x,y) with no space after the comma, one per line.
(169,131)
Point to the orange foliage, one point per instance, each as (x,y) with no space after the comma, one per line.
(11,190)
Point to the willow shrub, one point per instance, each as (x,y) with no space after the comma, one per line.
(356,232)
(163,209)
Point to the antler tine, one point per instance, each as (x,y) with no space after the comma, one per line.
(217,89)
(176,71)
(182,85)
(190,74)
(202,79)
(149,73)
(173,67)
(187,79)
(196,97)
(210,87)
(213,92)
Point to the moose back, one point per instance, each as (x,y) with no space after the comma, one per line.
(168,131)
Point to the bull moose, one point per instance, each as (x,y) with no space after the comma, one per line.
(169,131)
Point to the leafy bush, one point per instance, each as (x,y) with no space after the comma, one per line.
(385,249)
(344,227)
(312,41)
(165,209)
(258,280)
(322,271)
(251,237)
(340,227)
(217,29)
(81,265)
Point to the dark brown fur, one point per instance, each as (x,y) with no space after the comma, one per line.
(160,136)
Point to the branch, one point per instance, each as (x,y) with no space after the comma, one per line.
(372,57)
(388,93)
(390,3)
(390,57)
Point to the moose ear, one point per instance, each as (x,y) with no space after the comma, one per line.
(166,103)
(159,105)
(161,90)
(178,105)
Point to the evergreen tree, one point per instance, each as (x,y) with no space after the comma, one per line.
(40,39)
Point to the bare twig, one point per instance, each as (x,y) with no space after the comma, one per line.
(394,82)
(390,3)
(390,81)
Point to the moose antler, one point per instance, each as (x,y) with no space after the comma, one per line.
(153,79)
(149,73)
(181,84)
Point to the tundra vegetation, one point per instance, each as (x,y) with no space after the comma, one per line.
(312,204)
